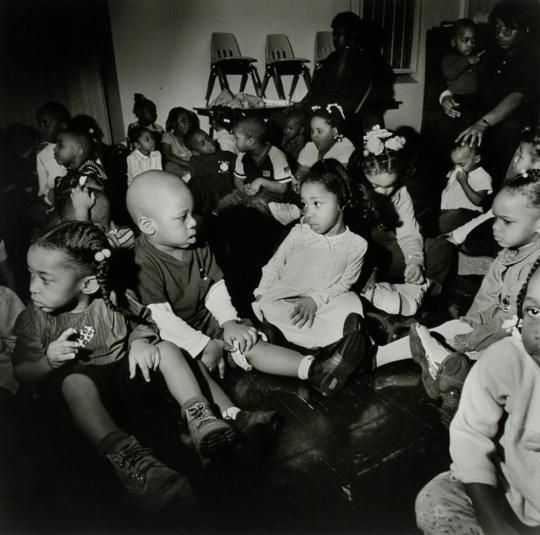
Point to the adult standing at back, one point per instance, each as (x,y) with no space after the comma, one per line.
(355,75)
(509,88)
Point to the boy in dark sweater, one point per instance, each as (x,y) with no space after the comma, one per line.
(211,171)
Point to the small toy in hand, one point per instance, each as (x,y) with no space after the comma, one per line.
(84,336)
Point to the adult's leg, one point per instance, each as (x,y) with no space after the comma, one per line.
(440,259)
(452,219)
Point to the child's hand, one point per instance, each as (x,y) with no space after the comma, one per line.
(83,200)
(245,335)
(473,59)
(62,350)
(212,357)
(253,188)
(145,356)
(461,176)
(304,312)
(414,274)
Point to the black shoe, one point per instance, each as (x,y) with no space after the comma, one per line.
(333,365)
(149,483)
(273,334)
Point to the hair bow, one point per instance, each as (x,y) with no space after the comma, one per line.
(377,139)
(100,256)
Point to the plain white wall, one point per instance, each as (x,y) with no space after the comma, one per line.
(162,48)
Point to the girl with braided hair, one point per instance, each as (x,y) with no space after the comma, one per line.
(493,485)
(327,140)
(77,341)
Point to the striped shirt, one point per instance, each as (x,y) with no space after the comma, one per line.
(273,166)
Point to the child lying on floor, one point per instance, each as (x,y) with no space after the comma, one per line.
(494,483)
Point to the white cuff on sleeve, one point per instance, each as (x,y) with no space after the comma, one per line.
(445,93)
(218,302)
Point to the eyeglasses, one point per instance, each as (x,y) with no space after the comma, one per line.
(505,31)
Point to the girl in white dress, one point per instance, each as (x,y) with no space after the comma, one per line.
(305,287)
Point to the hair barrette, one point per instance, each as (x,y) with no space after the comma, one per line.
(100,256)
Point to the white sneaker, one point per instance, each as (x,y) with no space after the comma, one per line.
(403,299)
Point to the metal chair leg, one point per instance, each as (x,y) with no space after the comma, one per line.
(266,79)
(278,83)
(210,86)
(293,85)
(307,77)
(255,80)
(243,82)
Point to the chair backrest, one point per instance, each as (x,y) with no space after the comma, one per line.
(224,45)
(278,47)
(324,46)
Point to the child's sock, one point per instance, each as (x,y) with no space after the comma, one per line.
(230,413)
(109,442)
(304,366)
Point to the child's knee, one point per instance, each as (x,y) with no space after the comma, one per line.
(168,350)
(77,385)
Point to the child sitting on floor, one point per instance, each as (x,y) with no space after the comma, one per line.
(52,118)
(406,267)
(444,364)
(460,67)
(145,111)
(82,341)
(223,119)
(175,153)
(494,483)
(144,156)
(261,172)
(467,188)
(304,290)
(183,287)
(326,139)
(211,171)
(294,133)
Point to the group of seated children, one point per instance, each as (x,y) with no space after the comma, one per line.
(353,244)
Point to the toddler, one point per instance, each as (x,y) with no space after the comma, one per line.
(175,152)
(304,290)
(223,119)
(326,139)
(294,133)
(145,111)
(467,188)
(261,172)
(74,150)
(52,117)
(183,287)
(494,484)
(211,171)
(406,267)
(460,67)
(144,155)
(102,353)
(516,228)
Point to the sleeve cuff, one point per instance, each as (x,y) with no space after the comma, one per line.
(445,93)
(218,302)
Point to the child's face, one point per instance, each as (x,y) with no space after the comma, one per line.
(54,284)
(516,221)
(182,124)
(526,158)
(203,144)
(243,142)
(465,158)
(148,114)
(383,183)
(321,209)
(322,134)
(530,329)
(174,226)
(49,127)
(146,143)
(293,127)
(67,151)
(465,41)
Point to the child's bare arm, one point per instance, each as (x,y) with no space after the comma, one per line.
(476,197)
(170,157)
(492,510)
(271,185)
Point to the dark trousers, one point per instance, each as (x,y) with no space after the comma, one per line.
(450,220)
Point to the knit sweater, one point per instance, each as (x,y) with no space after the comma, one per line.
(504,380)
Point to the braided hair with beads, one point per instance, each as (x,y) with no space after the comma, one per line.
(87,249)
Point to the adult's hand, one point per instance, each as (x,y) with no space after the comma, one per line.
(472,135)
(450,106)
